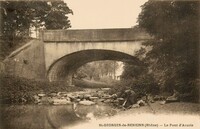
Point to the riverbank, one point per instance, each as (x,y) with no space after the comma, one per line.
(183,108)
(17,90)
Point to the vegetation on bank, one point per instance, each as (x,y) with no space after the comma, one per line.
(6,50)
(173,61)
(83,83)
(20,90)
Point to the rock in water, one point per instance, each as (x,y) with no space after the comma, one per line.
(135,106)
(163,102)
(87,96)
(86,102)
(174,98)
(141,103)
(52,94)
(94,98)
(107,101)
(61,101)
(105,89)
(114,96)
(106,97)
(41,95)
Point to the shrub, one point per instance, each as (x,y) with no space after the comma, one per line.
(16,90)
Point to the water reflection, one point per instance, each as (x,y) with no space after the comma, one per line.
(50,117)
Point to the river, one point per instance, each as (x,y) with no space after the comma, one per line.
(50,117)
(45,116)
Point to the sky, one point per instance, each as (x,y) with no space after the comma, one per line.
(99,14)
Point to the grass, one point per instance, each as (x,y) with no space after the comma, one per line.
(90,84)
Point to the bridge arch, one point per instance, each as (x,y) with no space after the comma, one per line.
(64,67)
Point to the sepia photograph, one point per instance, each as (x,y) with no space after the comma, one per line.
(99,64)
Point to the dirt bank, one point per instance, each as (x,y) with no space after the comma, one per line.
(169,108)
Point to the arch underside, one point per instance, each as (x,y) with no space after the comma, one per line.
(66,65)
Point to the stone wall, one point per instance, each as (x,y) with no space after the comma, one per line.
(27,61)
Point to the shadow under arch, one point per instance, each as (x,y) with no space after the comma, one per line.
(66,65)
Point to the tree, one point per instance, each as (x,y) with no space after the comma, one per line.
(15,19)
(98,69)
(56,18)
(19,16)
(174,56)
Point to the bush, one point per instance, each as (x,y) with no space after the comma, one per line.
(16,90)
(140,86)
(89,84)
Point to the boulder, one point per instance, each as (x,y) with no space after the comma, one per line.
(127,91)
(41,95)
(61,101)
(62,94)
(107,101)
(86,102)
(80,96)
(101,100)
(45,100)
(72,96)
(114,96)
(162,102)
(100,94)
(105,89)
(36,99)
(141,103)
(87,96)
(106,96)
(121,100)
(174,98)
(135,106)
(131,98)
(115,101)
(94,98)
(158,97)
(78,100)
(52,94)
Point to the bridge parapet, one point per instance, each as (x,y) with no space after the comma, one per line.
(95,35)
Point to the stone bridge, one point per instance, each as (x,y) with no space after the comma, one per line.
(58,53)
(67,50)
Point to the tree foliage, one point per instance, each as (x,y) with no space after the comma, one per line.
(174,57)
(98,69)
(18,16)
(173,61)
